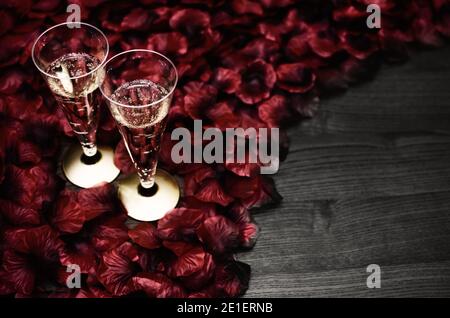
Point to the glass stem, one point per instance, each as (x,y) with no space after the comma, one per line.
(147,177)
(148,182)
(89,149)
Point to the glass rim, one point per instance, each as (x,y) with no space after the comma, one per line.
(70,23)
(144,105)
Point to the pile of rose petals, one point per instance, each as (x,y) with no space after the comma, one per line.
(242,63)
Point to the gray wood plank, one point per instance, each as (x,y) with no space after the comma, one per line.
(332,167)
(411,97)
(366,181)
(304,236)
(415,280)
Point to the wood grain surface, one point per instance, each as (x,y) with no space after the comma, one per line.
(367,181)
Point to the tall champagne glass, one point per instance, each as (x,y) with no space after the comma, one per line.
(138,86)
(70,57)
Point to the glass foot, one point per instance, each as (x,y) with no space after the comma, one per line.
(87,172)
(149,204)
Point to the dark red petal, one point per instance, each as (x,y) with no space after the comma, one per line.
(30,187)
(295,78)
(232,280)
(18,272)
(172,43)
(93,292)
(257,81)
(276,31)
(23,106)
(226,80)
(27,153)
(239,213)
(323,40)
(68,216)
(110,233)
(261,48)
(97,200)
(2,165)
(211,191)
(81,254)
(193,180)
(158,285)
(11,80)
(248,234)
(349,13)
(179,223)
(219,234)
(193,265)
(277,3)
(199,97)
(359,45)
(116,269)
(40,241)
(6,285)
(189,20)
(203,276)
(138,18)
(254,191)
(17,214)
(6,21)
(247,7)
(145,235)
(297,46)
(246,169)
(223,116)
(190,202)
(275,111)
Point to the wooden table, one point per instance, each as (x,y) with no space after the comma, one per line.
(367,181)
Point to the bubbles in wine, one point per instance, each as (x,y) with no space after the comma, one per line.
(73,65)
(137,94)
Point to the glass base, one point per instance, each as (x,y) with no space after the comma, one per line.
(149,205)
(86,172)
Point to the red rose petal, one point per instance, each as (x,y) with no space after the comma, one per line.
(158,285)
(116,269)
(18,273)
(19,215)
(219,234)
(69,217)
(247,7)
(98,200)
(40,241)
(110,233)
(192,181)
(275,111)
(199,97)
(211,191)
(145,235)
(172,43)
(81,254)
(257,81)
(295,78)
(137,19)
(226,80)
(179,223)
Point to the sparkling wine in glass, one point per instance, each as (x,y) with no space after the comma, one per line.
(70,57)
(138,86)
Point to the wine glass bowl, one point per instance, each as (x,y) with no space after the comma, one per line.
(70,57)
(138,86)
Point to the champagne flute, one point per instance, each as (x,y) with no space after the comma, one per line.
(70,57)
(138,86)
